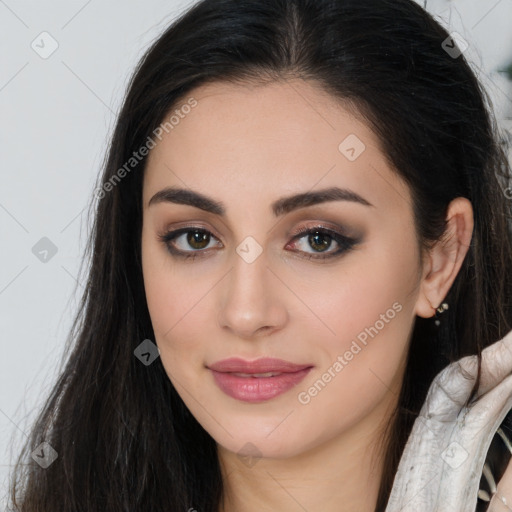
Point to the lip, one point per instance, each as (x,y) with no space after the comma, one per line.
(257,389)
(263,365)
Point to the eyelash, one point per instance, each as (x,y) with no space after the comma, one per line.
(345,243)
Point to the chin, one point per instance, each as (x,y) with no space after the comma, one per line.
(262,439)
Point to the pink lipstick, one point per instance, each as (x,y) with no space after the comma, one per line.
(257,381)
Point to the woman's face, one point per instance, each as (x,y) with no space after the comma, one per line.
(255,281)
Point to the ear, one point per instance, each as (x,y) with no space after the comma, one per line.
(442,263)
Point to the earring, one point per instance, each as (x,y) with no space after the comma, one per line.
(443,307)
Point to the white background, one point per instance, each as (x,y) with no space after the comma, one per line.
(56,116)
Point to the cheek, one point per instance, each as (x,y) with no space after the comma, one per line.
(369,309)
(362,365)
(177,308)
(370,295)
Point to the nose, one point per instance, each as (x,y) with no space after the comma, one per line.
(253,299)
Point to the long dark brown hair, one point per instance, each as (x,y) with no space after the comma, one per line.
(124,438)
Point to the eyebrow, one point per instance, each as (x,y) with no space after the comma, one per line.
(282,206)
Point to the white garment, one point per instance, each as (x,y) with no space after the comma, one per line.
(441,466)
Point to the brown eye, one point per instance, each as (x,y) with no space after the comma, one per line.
(320,240)
(192,242)
(196,239)
(186,242)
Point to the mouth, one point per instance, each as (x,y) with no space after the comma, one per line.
(257,381)
(257,375)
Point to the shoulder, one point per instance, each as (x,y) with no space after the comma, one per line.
(495,491)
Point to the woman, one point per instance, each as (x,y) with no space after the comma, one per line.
(302,220)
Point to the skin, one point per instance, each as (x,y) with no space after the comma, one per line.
(504,492)
(247,146)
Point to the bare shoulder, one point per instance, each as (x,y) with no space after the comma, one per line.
(495,494)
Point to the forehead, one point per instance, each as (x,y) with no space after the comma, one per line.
(260,141)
